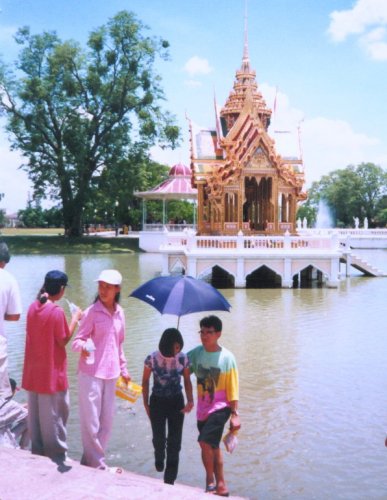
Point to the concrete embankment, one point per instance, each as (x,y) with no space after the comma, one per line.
(26,476)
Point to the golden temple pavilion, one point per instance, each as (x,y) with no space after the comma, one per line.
(243,183)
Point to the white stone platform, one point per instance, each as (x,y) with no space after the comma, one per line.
(241,255)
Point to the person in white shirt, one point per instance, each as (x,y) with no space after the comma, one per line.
(10,310)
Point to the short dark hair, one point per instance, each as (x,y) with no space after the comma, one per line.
(211,321)
(169,338)
(4,252)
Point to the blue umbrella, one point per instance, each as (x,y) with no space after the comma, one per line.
(180,295)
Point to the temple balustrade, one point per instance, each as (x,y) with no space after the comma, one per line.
(252,243)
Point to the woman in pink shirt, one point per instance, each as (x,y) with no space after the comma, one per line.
(45,369)
(104,323)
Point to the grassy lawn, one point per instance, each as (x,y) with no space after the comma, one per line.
(53,241)
(25,231)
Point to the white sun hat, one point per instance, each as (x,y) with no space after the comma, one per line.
(110,276)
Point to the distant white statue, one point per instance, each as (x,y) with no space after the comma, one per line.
(356,221)
(299,223)
(365,223)
(304,223)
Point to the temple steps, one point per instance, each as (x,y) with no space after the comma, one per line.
(361,265)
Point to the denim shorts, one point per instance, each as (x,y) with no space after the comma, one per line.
(211,430)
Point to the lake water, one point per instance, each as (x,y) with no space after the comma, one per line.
(313,379)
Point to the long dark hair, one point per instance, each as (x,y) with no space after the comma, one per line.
(169,338)
(51,286)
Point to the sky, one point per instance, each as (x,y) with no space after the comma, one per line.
(323,64)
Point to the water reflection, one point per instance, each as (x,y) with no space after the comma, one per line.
(313,380)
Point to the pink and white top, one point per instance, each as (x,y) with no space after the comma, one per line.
(108,333)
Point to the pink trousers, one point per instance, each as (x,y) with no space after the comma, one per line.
(96,411)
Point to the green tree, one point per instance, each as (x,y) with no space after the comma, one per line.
(76,113)
(180,210)
(350,192)
(3,218)
(32,216)
(306,210)
(2,213)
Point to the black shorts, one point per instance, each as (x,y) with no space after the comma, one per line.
(211,430)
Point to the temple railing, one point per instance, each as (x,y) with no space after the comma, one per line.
(252,243)
(173,228)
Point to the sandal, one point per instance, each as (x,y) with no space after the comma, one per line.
(210,488)
(114,470)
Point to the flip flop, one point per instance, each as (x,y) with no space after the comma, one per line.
(114,470)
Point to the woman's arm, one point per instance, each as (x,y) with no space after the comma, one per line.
(145,388)
(188,390)
(62,330)
(73,324)
(86,327)
(122,358)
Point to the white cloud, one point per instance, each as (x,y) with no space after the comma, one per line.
(367,19)
(365,13)
(197,66)
(332,144)
(325,144)
(375,44)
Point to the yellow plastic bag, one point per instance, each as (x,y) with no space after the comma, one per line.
(129,391)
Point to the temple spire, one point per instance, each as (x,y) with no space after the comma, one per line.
(246,60)
(245,91)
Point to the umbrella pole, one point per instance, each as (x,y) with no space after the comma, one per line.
(178,321)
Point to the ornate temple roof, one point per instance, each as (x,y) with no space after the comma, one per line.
(240,137)
(245,85)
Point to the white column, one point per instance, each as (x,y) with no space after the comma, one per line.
(240,240)
(333,279)
(287,281)
(287,243)
(191,266)
(165,265)
(240,281)
(143,213)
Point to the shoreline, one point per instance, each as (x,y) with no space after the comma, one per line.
(27,476)
(59,244)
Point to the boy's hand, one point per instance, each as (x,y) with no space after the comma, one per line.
(235,423)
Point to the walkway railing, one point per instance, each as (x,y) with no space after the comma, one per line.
(353,232)
(168,227)
(252,243)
